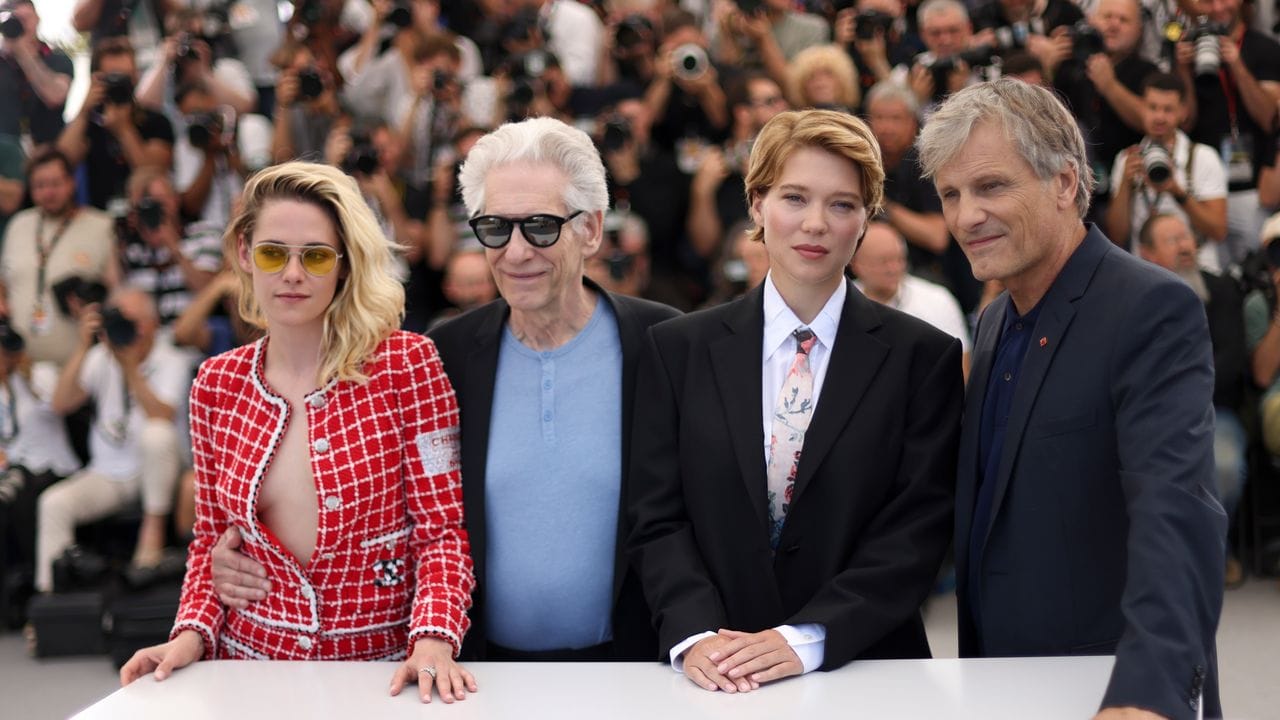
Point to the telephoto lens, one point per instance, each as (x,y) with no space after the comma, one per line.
(1208,55)
(1157,163)
(689,61)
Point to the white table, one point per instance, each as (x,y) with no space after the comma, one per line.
(1041,688)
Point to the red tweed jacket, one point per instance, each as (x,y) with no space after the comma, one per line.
(391,563)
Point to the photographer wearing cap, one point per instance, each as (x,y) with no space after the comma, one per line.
(1102,83)
(34,78)
(42,246)
(112,135)
(1237,84)
(137,381)
(1166,172)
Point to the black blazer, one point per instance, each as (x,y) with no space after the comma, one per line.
(1105,535)
(468,346)
(871,514)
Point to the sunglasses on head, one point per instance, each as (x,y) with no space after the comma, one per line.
(317,260)
(542,230)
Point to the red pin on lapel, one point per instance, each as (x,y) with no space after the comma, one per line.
(1044,341)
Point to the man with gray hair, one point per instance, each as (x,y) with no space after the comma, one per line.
(1086,516)
(545,378)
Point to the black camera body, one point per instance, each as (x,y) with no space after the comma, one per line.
(616,135)
(310,83)
(203,127)
(942,67)
(868,22)
(11,26)
(119,330)
(86,291)
(521,26)
(363,156)
(1086,41)
(632,31)
(150,212)
(401,15)
(10,340)
(441,80)
(749,7)
(119,88)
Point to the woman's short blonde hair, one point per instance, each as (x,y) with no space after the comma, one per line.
(831,58)
(835,132)
(369,302)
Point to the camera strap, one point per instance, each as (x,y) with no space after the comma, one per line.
(44,252)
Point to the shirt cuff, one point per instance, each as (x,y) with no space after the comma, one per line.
(677,652)
(809,641)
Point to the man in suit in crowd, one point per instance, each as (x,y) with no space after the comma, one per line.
(794,451)
(545,379)
(1086,518)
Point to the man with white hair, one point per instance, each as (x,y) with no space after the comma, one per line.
(545,378)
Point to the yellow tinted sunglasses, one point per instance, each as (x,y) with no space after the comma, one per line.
(317,260)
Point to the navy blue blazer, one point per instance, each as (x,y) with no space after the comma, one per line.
(1105,533)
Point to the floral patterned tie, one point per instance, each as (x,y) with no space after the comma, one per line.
(791,418)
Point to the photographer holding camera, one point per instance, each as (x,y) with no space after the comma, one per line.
(1167,173)
(34,78)
(686,103)
(43,245)
(764,34)
(189,55)
(876,35)
(1237,84)
(950,58)
(306,105)
(207,169)
(158,254)
(1038,26)
(112,135)
(138,381)
(1101,83)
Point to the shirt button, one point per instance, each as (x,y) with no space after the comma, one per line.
(304,642)
(1017,326)
(1008,377)
(317,401)
(332,502)
(546,385)
(321,445)
(547,416)
(307,592)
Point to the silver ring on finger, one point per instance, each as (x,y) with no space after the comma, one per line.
(428,670)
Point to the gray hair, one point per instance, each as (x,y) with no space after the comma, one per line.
(933,8)
(1036,123)
(538,140)
(890,90)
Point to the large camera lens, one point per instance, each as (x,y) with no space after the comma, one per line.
(1157,163)
(120,330)
(119,88)
(150,213)
(1208,56)
(689,61)
(11,26)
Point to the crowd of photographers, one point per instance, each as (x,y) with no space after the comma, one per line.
(112,214)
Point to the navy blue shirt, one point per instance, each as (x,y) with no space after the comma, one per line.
(1015,337)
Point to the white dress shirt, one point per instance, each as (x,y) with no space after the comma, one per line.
(779,351)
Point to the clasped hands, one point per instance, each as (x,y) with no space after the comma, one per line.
(735,661)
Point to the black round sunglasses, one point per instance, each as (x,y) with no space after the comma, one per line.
(541,230)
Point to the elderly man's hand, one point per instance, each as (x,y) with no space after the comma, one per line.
(239,581)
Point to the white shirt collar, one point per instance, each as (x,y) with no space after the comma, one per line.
(780,321)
